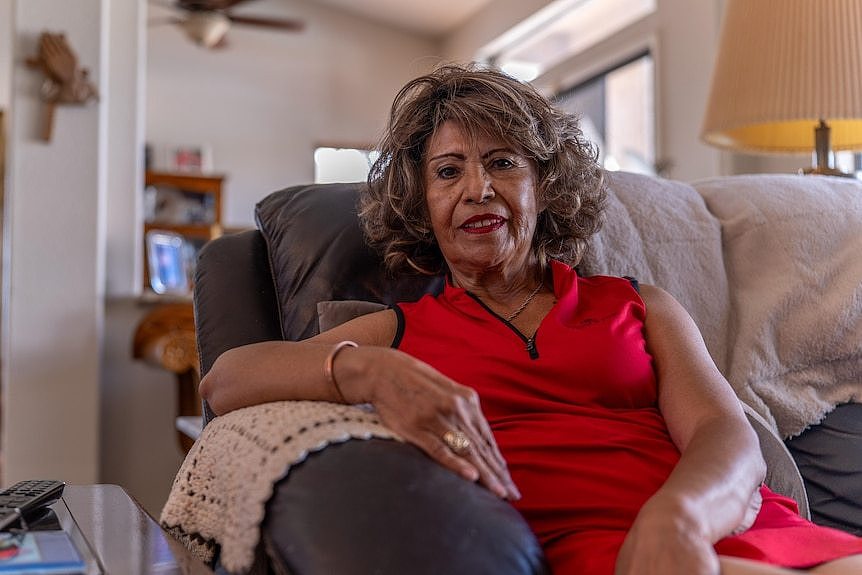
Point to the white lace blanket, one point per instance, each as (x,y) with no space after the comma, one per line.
(220,492)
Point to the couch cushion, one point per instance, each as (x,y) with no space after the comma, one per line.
(317,253)
(660,232)
(793,251)
(331,314)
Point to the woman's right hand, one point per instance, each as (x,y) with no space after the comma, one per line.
(421,405)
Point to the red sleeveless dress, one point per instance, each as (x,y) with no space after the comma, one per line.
(575,414)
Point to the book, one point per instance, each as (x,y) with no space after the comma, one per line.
(42,552)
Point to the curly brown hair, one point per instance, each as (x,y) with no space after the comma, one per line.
(482,100)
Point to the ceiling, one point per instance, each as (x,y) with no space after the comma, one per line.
(427,17)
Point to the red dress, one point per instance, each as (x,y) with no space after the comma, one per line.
(575,414)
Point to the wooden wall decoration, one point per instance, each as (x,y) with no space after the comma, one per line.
(65,82)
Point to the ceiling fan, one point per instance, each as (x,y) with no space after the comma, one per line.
(206,22)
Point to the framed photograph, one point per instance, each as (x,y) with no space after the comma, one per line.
(193,159)
(168,261)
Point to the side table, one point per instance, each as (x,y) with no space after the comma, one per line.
(120,537)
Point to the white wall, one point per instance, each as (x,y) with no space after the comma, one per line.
(53,230)
(126,37)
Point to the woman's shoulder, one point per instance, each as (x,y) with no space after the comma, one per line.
(604,281)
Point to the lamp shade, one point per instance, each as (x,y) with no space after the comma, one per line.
(782,66)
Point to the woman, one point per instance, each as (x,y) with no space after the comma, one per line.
(602,417)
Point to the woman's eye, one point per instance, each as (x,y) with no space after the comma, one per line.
(447,172)
(502,163)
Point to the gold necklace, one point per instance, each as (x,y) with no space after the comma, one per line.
(524,305)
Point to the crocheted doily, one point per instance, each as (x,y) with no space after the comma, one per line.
(219,495)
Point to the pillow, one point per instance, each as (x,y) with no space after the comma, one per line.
(792,248)
(317,253)
(334,313)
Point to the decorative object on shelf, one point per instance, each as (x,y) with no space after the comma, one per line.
(207,22)
(192,159)
(65,83)
(179,158)
(788,79)
(165,338)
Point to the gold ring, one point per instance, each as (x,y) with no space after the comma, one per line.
(457,441)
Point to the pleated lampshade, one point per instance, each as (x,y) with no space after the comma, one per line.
(782,67)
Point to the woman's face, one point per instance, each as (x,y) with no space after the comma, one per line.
(481,197)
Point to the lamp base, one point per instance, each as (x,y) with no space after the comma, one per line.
(823,154)
(818,171)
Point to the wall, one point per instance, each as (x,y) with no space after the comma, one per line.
(53,271)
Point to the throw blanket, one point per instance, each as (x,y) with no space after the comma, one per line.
(219,495)
(793,252)
(770,269)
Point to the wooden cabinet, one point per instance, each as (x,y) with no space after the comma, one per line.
(185,208)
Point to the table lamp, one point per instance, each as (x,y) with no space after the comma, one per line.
(788,79)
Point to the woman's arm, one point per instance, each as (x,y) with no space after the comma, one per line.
(281,370)
(411,398)
(710,491)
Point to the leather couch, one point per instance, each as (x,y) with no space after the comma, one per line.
(379,506)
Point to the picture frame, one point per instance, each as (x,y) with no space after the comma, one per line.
(168,263)
(193,159)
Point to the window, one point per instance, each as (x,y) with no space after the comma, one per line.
(342,164)
(849,162)
(617,113)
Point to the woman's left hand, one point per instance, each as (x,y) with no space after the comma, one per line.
(664,540)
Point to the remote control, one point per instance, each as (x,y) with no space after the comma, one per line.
(26,498)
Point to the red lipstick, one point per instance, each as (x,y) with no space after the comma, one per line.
(483,224)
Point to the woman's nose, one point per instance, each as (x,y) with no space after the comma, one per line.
(477,185)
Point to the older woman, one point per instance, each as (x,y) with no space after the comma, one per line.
(593,406)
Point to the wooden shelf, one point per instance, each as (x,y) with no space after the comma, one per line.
(200,191)
(208,231)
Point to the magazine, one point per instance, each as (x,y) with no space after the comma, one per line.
(43,552)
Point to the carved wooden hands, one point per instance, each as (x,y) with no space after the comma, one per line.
(65,82)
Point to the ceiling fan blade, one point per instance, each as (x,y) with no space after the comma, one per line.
(208,4)
(275,23)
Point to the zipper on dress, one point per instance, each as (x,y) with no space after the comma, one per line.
(531,347)
(529,342)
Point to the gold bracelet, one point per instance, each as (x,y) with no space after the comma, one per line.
(330,361)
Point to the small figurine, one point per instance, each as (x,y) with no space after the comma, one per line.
(65,82)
